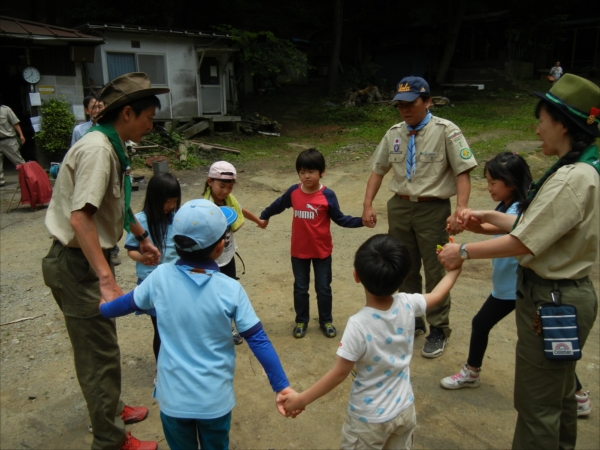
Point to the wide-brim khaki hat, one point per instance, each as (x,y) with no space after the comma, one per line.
(126,89)
(579,99)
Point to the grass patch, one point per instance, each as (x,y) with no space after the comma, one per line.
(346,134)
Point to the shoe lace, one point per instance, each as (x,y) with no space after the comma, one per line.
(458,376)
(435,336)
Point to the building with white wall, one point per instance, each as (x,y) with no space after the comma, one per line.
(196,66)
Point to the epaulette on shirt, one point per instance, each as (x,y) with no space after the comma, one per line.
(435,119)
(443,122)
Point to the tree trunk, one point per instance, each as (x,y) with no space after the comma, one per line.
(453,31)
(334,60)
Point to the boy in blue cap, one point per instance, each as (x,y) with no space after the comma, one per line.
(195,305)
(431,161)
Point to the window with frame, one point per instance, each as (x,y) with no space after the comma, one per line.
(153,65)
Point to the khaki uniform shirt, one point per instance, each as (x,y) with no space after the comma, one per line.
(90,173)
(8,120)
(442,153)
(561,225)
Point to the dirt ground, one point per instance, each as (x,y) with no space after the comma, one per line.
(42,406)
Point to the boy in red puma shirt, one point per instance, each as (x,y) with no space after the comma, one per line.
(314,207)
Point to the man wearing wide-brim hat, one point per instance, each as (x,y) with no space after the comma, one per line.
(87,214)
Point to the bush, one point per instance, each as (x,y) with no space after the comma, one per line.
(57,127)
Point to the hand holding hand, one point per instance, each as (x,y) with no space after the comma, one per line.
(150,252)
(262,223)
(453,226)
(468,216)
(109,290)
(469,220)
(149,259)
(450,258)
(369,217)
(280,400)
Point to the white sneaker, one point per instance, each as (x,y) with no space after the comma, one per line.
(584,408)
(465,378)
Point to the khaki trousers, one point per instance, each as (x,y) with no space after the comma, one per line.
(421,226)
(10,148)
(544,394)
(75,288)
(396,433)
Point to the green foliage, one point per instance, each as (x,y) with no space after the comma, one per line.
(193,161)
(265,54)
(170,140)
(57,126)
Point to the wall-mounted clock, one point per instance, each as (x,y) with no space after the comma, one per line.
(31,75)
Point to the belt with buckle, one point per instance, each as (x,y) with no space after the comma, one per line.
(413,198)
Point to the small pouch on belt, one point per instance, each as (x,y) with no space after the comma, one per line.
(559,330)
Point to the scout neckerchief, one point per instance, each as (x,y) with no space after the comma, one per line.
(230,201)
(411,158)
(109,131)
(588,156)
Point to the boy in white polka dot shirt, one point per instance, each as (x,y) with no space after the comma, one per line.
(378,342)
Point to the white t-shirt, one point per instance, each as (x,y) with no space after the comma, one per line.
(228,251)
(381,343)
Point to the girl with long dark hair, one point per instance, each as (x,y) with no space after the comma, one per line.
(163,199)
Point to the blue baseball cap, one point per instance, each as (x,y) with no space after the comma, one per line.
(203,222)
(410,88)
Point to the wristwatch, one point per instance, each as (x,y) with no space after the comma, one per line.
(142,236)
(462,251)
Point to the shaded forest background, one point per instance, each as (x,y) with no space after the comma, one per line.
(353,29)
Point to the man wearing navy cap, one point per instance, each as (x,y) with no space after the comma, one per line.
(431,161)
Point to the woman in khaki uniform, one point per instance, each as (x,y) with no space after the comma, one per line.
(556,244)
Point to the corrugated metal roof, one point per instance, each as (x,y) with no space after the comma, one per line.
(149,30)
(26,29)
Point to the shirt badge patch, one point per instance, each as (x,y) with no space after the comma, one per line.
(396,145)
(455,135)
(466,153)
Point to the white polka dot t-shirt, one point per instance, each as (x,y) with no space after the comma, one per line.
(381,343)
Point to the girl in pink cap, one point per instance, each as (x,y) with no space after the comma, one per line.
(217,189)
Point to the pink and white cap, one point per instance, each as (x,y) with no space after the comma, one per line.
(222,170)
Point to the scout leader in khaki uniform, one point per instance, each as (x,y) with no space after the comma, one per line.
(431,161)
(87,214)
(556,244)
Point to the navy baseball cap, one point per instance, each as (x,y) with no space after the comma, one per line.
(410,88)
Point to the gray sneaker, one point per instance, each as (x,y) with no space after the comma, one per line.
(434,343)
